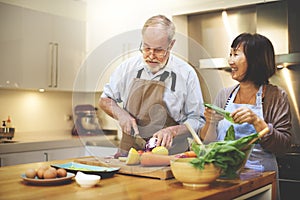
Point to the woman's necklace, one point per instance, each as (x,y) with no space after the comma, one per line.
(246,101)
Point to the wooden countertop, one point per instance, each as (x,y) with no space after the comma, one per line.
(129,187)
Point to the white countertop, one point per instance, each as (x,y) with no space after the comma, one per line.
(55,141)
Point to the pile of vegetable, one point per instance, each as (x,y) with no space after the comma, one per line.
(229,154)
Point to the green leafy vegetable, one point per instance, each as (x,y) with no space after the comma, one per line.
(230,134)
(229,154)
(220,111)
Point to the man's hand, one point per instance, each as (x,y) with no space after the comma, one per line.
(165,137)
(126,121)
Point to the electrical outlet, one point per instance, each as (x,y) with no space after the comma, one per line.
(68,117)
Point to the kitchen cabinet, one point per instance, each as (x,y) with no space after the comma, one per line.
(21,158)
(44,50)
(41,156)
(58,154)
(10,45)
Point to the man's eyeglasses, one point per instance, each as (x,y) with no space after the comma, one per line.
(159,52)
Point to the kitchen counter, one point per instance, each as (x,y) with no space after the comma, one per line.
(72,141)
(132,187)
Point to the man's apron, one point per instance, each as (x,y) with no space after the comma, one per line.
(145,103)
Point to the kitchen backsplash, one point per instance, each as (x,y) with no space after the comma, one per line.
(48,112)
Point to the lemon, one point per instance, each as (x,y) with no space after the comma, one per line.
(133,157)
(122,159)
(160,150)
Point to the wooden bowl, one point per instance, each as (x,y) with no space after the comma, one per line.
(190,176)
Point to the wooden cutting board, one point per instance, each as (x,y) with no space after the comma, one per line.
(162,172)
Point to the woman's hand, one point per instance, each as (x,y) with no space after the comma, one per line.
(212,116)
(165,137)
(243,114)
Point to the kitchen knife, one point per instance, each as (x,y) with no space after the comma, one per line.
(139,141)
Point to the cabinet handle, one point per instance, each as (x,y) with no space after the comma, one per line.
(53,57)
(51,52)
(46,156)
(56,65)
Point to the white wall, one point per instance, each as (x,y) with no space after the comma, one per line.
(33,111)
(107,19)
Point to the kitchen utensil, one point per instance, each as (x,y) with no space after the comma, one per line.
(159,172)
(260,135)
(86,122)
(190,176)
(141,142)
(104,172)
(194,134)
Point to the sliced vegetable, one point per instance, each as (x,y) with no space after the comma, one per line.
(151,159)
(133,157)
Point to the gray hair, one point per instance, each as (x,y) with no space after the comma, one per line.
(162,20)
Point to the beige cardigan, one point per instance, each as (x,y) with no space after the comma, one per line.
(277,114)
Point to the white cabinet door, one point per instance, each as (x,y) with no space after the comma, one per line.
(69,36)
(36,36)
(21,158)
(39,50)
(10,45)
(53,50)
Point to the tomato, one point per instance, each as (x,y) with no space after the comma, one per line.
(140,152)
(190,154)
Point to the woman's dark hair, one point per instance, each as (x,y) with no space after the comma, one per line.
(260,57)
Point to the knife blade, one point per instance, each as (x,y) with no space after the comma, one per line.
(139,141)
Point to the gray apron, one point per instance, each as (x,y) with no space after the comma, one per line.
(145,103)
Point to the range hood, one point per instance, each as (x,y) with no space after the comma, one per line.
(284,15)
(278,20)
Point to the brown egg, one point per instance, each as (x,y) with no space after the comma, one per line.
(30,173)
(61,172)
(44,167)
(52,168)
(50,173)
(40,173)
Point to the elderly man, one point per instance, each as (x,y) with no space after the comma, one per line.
(159,92)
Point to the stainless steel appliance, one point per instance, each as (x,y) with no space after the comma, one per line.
(86,121)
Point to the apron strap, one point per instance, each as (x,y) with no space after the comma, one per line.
(173,75)
(139,73)
(163,77)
